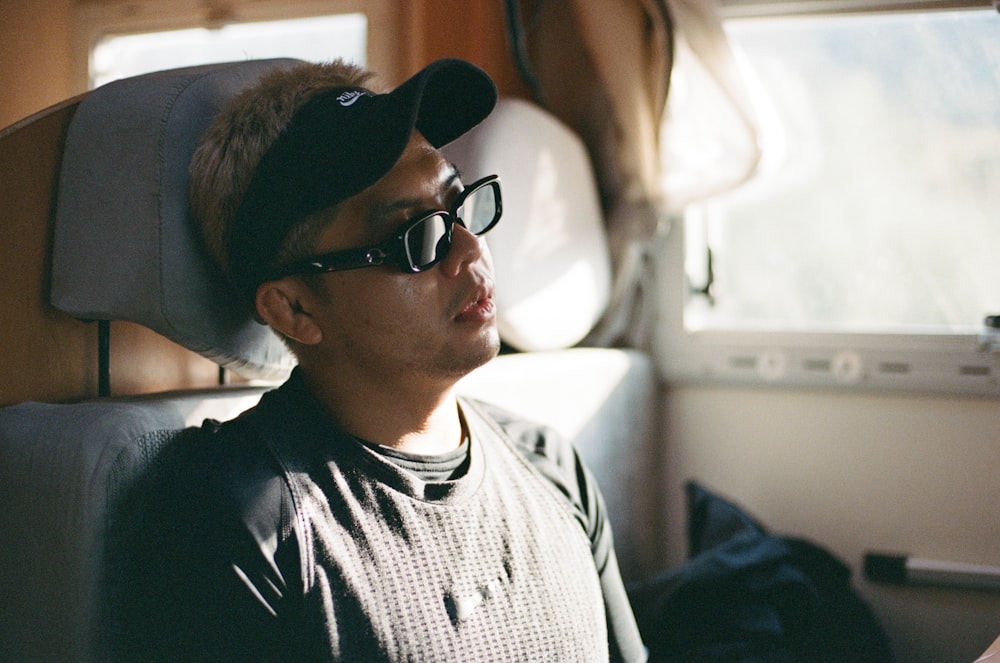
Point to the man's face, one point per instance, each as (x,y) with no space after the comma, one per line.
(437,324)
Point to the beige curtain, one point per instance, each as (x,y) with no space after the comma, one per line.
(604,67)
(709,140)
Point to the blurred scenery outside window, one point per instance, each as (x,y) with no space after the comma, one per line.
(876,207)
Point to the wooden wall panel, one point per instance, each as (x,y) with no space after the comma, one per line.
(46,354)
(35,46)
(474,30)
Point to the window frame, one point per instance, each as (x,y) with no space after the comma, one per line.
(761,8)
(937,363)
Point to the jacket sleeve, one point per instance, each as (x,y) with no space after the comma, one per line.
(198,566)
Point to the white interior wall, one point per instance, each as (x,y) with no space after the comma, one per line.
(855,472)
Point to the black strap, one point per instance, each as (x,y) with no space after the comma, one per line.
(519,50)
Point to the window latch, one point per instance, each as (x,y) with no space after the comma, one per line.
(708,290)
(989,338)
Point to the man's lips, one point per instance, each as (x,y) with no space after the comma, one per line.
(479,307)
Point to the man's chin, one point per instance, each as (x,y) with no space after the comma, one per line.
(480,355)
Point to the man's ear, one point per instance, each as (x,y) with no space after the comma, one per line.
(279,305)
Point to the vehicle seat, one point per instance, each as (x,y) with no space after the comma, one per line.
(123,249)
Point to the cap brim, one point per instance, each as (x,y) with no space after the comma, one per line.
(450,96)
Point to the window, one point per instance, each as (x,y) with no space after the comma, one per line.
(315,39)
(116,40)
(865,250)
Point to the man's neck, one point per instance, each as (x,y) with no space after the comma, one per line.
(416,418)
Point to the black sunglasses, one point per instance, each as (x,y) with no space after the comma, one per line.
(421,242)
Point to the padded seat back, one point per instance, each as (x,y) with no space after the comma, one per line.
(60,468)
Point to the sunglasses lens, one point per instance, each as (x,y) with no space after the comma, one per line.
(427,241)
(481,208)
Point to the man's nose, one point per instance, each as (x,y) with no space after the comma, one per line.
(465,248)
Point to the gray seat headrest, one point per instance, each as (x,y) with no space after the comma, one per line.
(125,246)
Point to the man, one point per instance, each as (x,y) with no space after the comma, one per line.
(362,511)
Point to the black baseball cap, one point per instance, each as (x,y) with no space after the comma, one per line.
(339,143)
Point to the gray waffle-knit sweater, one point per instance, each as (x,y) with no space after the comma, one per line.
(280,537)
(492,566)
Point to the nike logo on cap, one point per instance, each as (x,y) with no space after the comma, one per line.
(350,97)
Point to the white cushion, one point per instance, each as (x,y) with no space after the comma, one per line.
(550,249)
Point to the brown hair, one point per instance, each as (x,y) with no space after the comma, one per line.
(238,137)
